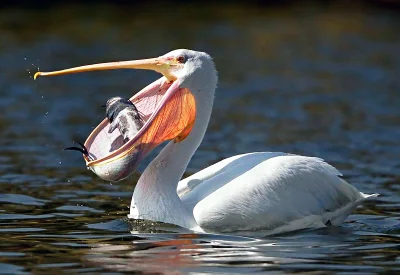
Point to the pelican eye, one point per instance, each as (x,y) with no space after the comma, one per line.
(181,59)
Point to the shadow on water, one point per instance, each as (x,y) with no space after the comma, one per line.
(305,79)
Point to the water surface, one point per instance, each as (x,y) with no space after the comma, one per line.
(318,81)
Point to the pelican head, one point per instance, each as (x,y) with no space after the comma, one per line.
(196,69)
(168,106)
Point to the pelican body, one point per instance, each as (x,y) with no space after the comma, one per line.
(269,192)
(122,114)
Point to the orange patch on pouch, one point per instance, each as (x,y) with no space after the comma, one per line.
(174,121)
(189,116)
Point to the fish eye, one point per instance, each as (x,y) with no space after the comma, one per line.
(181,59)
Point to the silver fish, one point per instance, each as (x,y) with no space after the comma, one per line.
(123,114)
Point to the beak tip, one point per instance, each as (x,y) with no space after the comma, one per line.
(36,75)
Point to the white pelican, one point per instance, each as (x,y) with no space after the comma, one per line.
(263,191)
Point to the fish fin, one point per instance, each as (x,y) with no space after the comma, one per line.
(85,150)
(75,149)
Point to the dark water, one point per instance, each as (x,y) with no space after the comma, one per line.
(320,81)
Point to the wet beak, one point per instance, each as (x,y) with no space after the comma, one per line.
(164,66)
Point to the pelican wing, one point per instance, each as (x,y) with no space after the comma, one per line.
(213,177)
(270,191)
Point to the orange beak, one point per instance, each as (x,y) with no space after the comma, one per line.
(159,64)
(168,110)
